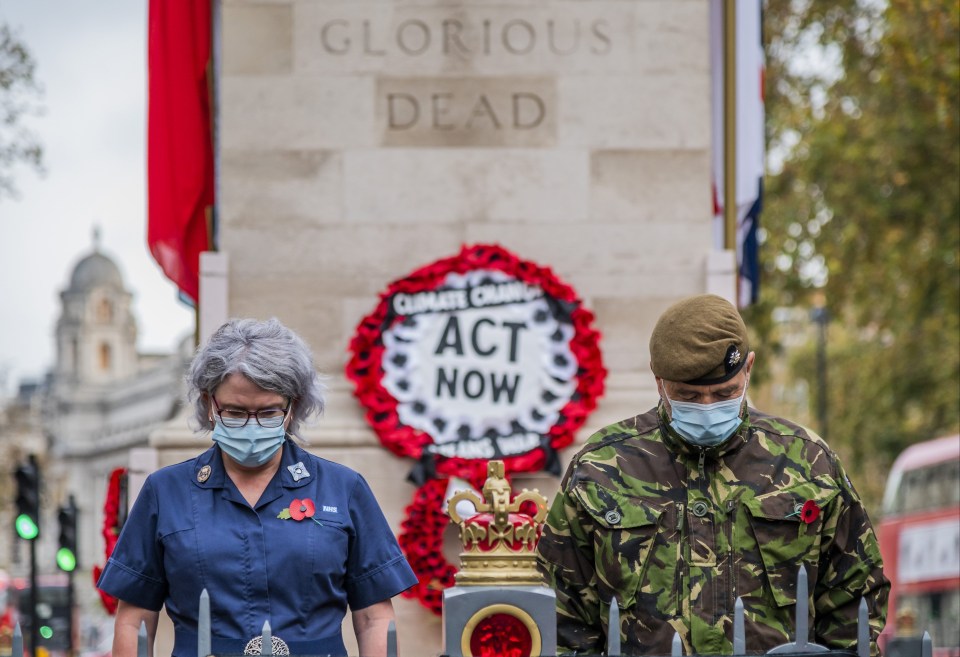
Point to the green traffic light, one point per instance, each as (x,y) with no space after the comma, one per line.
(26,527)
(46,631)
(66,559)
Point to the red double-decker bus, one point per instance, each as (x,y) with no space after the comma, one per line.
(920,541)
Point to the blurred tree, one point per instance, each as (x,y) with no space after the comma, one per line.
(18,92)
(863,208)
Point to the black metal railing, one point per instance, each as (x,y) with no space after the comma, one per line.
(800,647)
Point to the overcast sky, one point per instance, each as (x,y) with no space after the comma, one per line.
(91,62)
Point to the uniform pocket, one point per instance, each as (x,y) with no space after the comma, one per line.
(330,547)
(626,531)
(785,540)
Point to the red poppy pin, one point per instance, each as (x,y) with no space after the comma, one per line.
(298,510)
(808,512)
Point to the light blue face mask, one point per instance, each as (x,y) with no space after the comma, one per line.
(250,445)
(706,425)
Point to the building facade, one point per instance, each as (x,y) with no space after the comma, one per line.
(101,400)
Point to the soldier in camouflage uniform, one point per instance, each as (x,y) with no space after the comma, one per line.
(680,510)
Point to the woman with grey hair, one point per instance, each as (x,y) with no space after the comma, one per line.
(270,530)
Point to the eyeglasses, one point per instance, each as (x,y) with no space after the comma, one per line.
(268,418)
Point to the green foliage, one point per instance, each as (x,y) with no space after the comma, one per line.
(18,91)
(863,209)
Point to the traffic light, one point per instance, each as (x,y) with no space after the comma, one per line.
(67,554)
(28,499)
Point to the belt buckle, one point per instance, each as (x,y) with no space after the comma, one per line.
(255,646)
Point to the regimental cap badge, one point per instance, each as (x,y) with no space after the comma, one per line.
(733,357)
(499,542)
(204,473)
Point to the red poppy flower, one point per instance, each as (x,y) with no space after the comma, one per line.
(810,511)
(300,509)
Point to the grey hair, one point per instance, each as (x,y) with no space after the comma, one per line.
(266,352)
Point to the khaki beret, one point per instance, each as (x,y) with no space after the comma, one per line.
(699,341)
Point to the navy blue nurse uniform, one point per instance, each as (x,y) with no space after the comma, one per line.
(190,529)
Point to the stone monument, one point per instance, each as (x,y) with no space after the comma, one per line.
(361,139)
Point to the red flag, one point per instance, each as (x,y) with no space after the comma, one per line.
(179,138)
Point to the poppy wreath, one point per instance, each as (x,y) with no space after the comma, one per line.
(421,539)
(111,532)
(577,348)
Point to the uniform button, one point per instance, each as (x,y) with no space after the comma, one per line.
(700,509)
(613,517)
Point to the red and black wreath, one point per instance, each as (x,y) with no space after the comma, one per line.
(475,357)
(111,530)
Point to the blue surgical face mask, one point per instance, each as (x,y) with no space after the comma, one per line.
(250,445)
(706,425)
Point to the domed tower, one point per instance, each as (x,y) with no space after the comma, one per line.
(96,332)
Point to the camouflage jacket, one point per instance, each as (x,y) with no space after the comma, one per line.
(677,533)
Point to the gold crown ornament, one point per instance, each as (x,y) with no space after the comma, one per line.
(499,542)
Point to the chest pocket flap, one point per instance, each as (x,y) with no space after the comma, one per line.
(625,532)
(613,510)
(785,539)
(784,504)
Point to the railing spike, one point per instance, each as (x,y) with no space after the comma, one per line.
(266,639)
(739,633)
(392,639)
(17,640)
(926,645)
(676,649)
(801,623)
(142,640)
(803,610)
(863,630)
(613,628)
(204,646)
